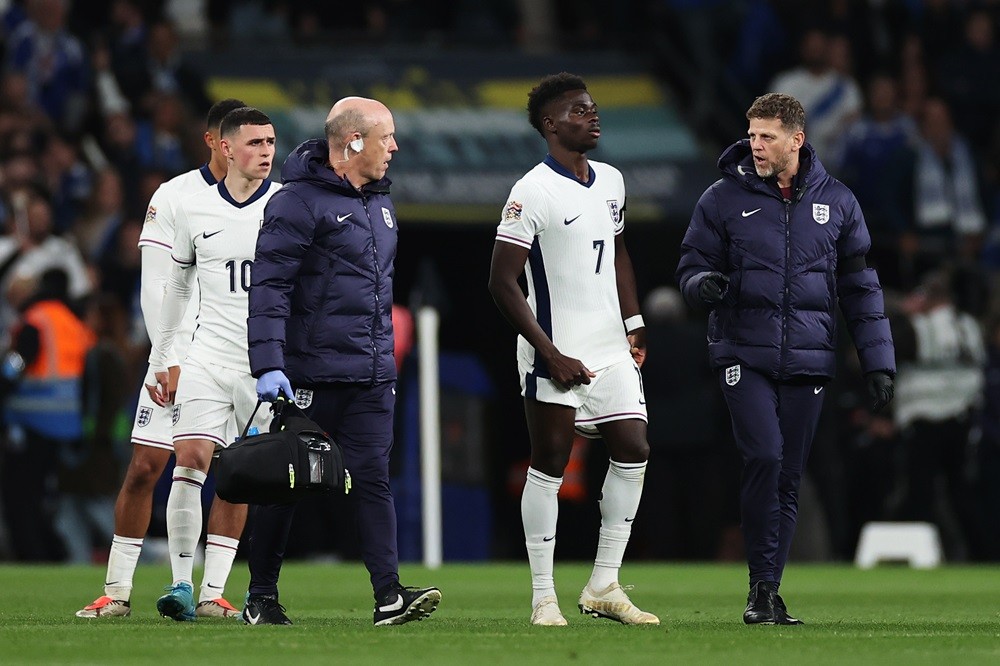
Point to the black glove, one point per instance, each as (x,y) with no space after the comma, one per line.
(880,389)
(713,287)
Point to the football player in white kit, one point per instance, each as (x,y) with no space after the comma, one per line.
(216,230)
(151,431)
(581,340)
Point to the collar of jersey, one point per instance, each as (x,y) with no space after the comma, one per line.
(261,191)
(206,173)
(563,171)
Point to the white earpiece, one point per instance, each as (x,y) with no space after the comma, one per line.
(357,145)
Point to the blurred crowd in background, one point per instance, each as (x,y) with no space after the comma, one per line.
(102,101)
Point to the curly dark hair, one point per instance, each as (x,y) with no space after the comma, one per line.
(548,89)
(785,108)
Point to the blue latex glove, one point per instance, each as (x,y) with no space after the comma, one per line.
(272,381)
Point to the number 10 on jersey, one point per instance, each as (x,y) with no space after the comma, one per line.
(244,275)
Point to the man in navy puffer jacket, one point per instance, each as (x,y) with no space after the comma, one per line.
(321,320)
(772,248)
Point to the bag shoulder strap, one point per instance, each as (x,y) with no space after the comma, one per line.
(246,428)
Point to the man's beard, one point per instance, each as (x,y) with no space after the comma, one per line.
(772,169)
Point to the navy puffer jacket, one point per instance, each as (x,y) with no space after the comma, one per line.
(778,315)
(321,289)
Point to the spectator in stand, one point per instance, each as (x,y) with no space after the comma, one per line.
(871,145)
(933,196)
(160,140)
(831,99)
(938,26)
(914,86)
(31,249)
(67,178)
(118,141)
(148,63)
(96,231)
(168,72)
(53,61)
(963,75)
(127,46)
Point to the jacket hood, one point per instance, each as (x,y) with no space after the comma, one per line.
(309,163)
(736,162)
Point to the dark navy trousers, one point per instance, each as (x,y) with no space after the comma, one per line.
(774,424)
(359,417)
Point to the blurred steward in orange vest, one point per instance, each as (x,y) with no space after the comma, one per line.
(52,343)
(42,374)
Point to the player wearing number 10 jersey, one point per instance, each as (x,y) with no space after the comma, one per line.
(563,225)
(216,230)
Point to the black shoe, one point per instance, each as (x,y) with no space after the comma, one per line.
(264,609)
(398,605)
(781,615)
(760,603)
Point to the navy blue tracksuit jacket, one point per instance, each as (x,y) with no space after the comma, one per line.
(790,262)
(321,311)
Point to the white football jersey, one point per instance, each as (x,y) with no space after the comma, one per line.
(569,228)
(219,236)
(158,231)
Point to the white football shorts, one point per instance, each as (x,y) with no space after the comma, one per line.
(151,426)
(208,397)
(613,395)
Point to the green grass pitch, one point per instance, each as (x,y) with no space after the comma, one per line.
(889,615)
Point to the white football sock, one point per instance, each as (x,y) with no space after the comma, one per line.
(619,502)
(539,514)
(219,554)
(184,521)
(121,567)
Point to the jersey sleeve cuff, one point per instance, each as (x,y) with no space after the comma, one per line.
(506,238)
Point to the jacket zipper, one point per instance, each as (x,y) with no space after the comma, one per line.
(378,285)
(782,355)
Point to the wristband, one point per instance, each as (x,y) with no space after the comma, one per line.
(634,322)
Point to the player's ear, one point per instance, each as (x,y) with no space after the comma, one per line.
(209,139)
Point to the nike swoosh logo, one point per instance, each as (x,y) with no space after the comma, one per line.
(629,520)
(817,390)
(341,218)
(185,555)
(548,538)
(114,582)
(215,587)
(251,618)
(740,170)
(565,221)
(746,214)
(396,605)
(205,234)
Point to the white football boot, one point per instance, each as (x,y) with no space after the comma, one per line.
(614,604)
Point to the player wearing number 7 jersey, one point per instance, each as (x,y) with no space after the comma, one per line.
(581,340)
(216,230)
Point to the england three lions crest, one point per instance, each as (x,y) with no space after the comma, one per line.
(616,213)
(303,398)
(821,213)
(145,414)
(733,375)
